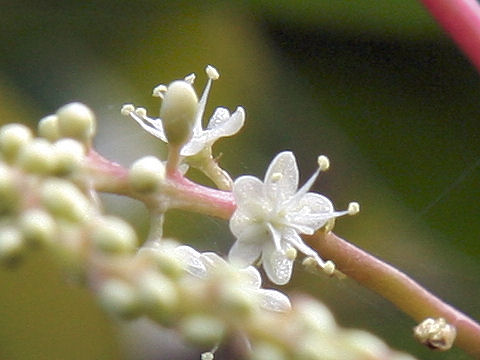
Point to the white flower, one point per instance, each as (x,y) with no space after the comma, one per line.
(270,215)
(204,265)
(221,124)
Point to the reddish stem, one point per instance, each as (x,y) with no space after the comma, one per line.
(396,287)
(461,19)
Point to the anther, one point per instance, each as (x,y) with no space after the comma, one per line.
(159,91)
(127,109)
(212,73)
(190,78)
(323,163)
(141,111)
(353,208)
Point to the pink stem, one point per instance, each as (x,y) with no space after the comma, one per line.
(461,19)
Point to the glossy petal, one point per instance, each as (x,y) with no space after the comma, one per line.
(281,179)
(152,126)
(273,300)
(246,249)
(191,260)
(312,211)
(252,277)
(276,264)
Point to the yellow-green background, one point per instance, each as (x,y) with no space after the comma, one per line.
(375,85)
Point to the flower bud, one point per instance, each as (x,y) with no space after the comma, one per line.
(146,174)
(203,330)
(157,295)
(114,236)
(119,298)
(77,121)
(237,301)
(11,245)
(37,227)
(65,200)
(9,193)
(12,138)
(37,157)
(267,351)
(178,112)
(48,128)
(69,155)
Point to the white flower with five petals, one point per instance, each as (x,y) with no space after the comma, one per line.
(271,215)
(221,124)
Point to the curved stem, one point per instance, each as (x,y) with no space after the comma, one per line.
(396,287)
(461,19)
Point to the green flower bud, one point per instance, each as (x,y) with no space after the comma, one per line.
(37,227)
(77,121)
(114,236)
(11,245)
(203,330)
(237,301)
(178,111)
(48,128)
(9,193)
(37,157)
(146,174)
(166,263)
(65,200)
(12,138)
(158,296)
(69,155)
(119,298)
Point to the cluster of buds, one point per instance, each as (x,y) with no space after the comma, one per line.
(48,197)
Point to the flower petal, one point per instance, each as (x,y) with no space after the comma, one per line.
(277,265)
(212,260)
(290,236)
(281,178)
(152,126)
(250,197)
(248,246)
(223,124)
(310,213)
(191,260)
(252,277)
(273,300)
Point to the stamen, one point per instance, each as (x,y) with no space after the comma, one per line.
(127,109)
(329,267)
(159,91)
(141,111)
(190,78)
(323,163)
(353,208)
(212,73)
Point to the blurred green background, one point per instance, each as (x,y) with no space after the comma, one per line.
(375,85)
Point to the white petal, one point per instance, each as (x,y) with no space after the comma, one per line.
(311,212)
(247,248)
(212,260)
(152,126)
(194,146)
(276,264)
(239,222)
(252,277)
(191,260)
(249,195)
(273,300)
(223,124)
(281,179)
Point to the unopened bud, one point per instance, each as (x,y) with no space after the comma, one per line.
(11,245)
(157,295)
(37,157)
(178,112)
(69,155)
(65,200)
(12,138)
(203,330)
(77,121)
(48,128)
(119,298)
(114,236)
(37,227)
(267,351)
(146,174)
(9,192)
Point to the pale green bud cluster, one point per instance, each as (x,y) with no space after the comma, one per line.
(147,174)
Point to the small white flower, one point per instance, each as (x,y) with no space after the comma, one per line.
(204,265)
(270,215)
(221,124)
